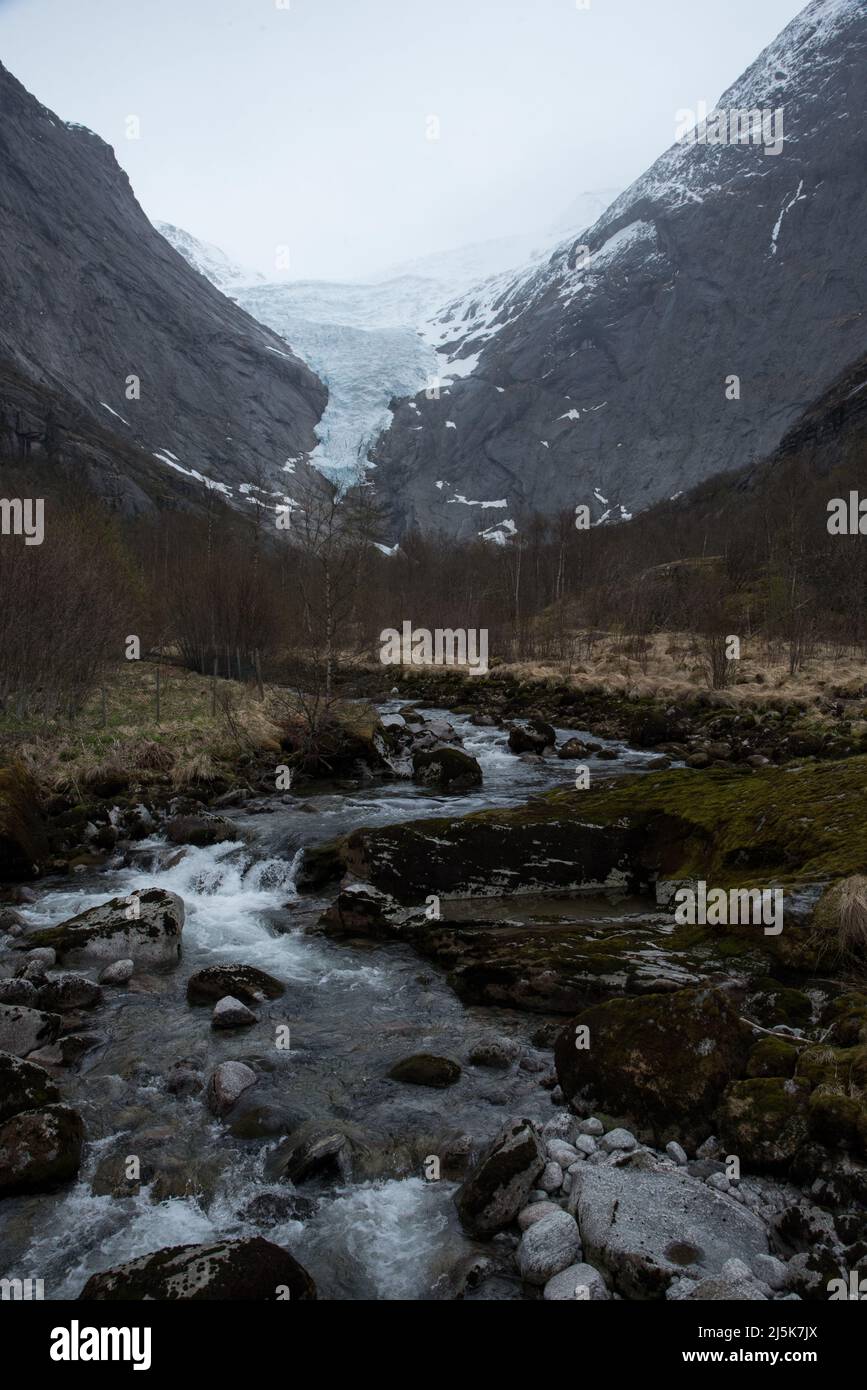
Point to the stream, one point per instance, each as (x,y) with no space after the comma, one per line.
(353,1011)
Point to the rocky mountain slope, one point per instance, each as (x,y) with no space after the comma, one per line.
(605,382)
(92,296)
(373,340)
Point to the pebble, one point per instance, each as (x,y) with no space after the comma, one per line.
(535,1212)
(551,1178)
(591,1126)
(561,1152)
(120,972)
(676,1153)
(229,1012)
(579,1281)
(618,1139)
(586,1145)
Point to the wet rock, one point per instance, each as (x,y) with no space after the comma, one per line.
(572,748)
(201,830)
(500,1182)
(312,1151)
(273,1208)
(12,922)
(231,1013)
(63,993)
(425,1069)
(449,768)
(617,1139)
(244,982)
(42,957)
(39,1149)
(499,1056)
(22,1030)
(184,1079)
(608,754)
(536,1211)
(551,1177)
(18,991)
(145,928)
(646,1229)
(664,1059)
(236,1270)
(548,1246)
(23,1086)
(579,1281)
(120,972)
(228,1082)
(532,738)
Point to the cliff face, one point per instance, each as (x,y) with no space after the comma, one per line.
(91,295)
(605,382)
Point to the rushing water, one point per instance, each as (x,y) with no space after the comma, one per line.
(353,1011)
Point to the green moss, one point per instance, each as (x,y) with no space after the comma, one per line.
(772,1057)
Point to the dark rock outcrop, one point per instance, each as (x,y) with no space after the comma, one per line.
(254,1270)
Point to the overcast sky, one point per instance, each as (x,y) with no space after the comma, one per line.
(304,123)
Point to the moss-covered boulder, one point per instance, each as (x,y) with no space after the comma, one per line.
(765,1120)
(253,1270)
(23,844)
(144,928)
(838,1121)
(426,1069)
(243,982)
(449,768)
(845,1018)
(40,1149)
(23,1086)
(772,1057)
(663,1059)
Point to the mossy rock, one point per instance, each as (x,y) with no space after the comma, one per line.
(837,1067)
(764,1121)
(839,1121)
(23,844)
(425,1069)
(663,1059)
(23,1086)
(846,1018)
(772,1057)
(774,1003)
(449,768)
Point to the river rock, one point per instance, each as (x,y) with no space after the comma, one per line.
(617,1139)
(500,1182)
(63,993)
(120,972)
(236,1270)
(425,1069)
(548,1246)
(18,991)
(244,982)
(22,1030)
(572,748)
(536,1211)
(450,768)
(310,1151)
(23,1086)
(231,1013)
(725,1291)
(646,1229)
(551,1177)
(145,928)
(663,1058)
(201,830)
(561,1152)
(229,1081)
(45,957)
(499,1056)
(40,1148)
(579,1281)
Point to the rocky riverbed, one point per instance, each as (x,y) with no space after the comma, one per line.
(324,1040)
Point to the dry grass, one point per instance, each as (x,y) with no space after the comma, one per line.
(840,923)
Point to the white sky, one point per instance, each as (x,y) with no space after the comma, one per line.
(306,126)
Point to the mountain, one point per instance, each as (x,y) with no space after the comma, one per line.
(602,379)
(91,296)
(371,340)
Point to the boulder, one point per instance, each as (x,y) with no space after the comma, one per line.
(500,1182)
(236,1270)
(22,1030)
(310,1151)
(243,982)
(548,1246)
(449,768)
(39,1149)
(145,928)
(23,1086)
(579,1281)
(200,830)
(532,738)
(765,1120)
(19,991)
(572,748)
(424,1069)
(228,1082)
(536,1211)
(662,1058)
(120,972)
(646,1229)
(66,992)
(231,1013)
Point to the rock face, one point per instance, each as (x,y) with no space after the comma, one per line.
(501,1181)
(39,1148)
(144,928)
(22,1030)
(581,394)
(664,1058)
(221,397)
(245,982)
(248,1270)
(646,1229)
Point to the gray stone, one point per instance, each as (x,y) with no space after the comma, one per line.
(22,1030)
(676,1154)
(228,1082)
(725,1291)
(535,1212)
(771,1271)
(547,1247)
(561,1152)
(500,1183)
(231,1013)
(591,1126)
(579,1281)
(551,1178)
(120,972)
(585,1144)
(617,1139)
(646,1229)
(145,928)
